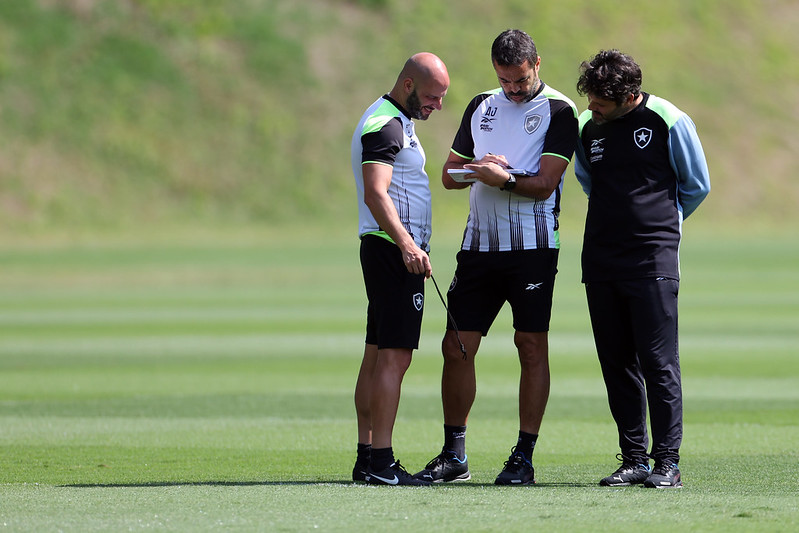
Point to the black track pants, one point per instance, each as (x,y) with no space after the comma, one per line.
(635,332)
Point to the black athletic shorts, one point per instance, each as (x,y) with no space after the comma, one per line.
(396,296)
(484,281)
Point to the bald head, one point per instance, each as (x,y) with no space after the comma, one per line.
(425,66)
(421,85)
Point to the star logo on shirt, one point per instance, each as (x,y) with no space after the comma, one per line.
(531,123)
(642,137)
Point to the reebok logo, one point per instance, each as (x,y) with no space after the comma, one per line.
(597,150)
(488,118)
(533,286)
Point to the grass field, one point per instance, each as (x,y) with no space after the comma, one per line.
(207,385)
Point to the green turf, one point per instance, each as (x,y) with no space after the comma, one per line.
(208,386)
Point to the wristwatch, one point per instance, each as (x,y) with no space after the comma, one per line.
(510,184)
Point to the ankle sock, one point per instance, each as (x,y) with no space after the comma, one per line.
(381,459)
(455,440)
(526,444)
(364,453)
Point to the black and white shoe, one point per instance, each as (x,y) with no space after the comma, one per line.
(518,470)
(445,467)
(395,474)
(631,472)
(665,475)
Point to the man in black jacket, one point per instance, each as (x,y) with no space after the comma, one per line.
(641,164)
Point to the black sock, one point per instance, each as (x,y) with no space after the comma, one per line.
(526,443)
(364,453)
(382,458)
(455,440)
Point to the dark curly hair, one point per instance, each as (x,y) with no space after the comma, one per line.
(511,48)
(610,75)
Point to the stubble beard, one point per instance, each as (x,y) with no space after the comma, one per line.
(414,107)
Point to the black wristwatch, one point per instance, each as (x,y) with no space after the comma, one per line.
(510,184)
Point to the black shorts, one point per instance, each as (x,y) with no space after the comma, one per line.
(396,296)
(484,281)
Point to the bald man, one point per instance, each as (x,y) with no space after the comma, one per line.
(394,215)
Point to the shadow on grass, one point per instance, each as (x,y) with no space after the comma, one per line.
(156,484)
(147,484)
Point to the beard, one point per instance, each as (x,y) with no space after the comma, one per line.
(525,96)
(414,106)
(598,118)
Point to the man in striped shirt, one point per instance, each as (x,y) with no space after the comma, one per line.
(510,246)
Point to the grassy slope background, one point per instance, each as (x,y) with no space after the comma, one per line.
(149,379)
(117,116)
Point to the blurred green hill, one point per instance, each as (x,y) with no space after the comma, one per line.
(142,114)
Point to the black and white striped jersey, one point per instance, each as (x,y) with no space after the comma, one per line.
(522,132)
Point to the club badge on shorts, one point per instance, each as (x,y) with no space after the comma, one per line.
(454,282)
(418,301)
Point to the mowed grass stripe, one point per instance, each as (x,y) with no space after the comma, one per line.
(224,397)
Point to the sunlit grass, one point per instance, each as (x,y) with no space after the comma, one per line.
(211,385)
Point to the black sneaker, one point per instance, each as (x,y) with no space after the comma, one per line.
(445,467)
(631,472)
(359,471)
(665,475)
(518,470)
(394,475)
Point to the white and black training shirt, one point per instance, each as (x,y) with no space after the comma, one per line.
(522,132)
(385,135)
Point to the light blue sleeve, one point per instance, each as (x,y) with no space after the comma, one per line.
(688,161)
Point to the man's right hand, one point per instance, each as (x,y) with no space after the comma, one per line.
(417,261)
